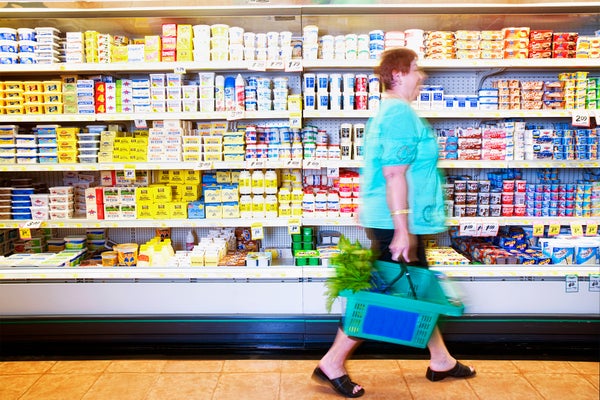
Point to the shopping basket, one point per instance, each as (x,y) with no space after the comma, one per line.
(408,310)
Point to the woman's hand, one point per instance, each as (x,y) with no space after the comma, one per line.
(403,247)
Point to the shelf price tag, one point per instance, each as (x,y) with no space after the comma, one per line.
(553,229)
(296,120)
(180,70)
(576,229)
(140,124)
(275,64)
(258,65)
(293,66)
(469,229)
(538,230)
(203,165)
(312,164)
(129,172)
(571,283)
(591,229)
(294,226)
(256,163)
(580,118)
(594,283)
(256,231)
(293,163)
(333,172)
(25,229)
(234,115)
(489,228)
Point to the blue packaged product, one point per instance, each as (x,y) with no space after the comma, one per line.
(562,254)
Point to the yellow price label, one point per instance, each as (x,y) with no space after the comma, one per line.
(538,230)
(257,231)
(591,230)
(294,226)
(24,233)
(553,229)
(129,172)
(576,230)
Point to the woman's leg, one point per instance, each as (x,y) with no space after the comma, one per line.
(342,348)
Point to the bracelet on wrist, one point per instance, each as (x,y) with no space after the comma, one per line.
(400,212)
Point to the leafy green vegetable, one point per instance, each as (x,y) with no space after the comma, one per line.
(353,267)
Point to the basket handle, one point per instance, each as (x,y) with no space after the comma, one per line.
(403,271)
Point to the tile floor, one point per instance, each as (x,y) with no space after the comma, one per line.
(267,379)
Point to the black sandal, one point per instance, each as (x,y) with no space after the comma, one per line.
(342,385)
(458,371)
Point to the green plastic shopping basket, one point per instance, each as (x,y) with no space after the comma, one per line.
(407,313)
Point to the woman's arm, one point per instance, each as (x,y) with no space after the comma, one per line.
(403,246)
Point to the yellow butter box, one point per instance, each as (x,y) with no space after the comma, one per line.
(189,192)
(197,258)
(162,193)
(212,193)
(177,210)
(176,176)
(213,157)
(191,157)
(219,127)
(143,194)
(231,210)
(161,211)
(213,210)
(161,176)
(192,177)
(223,177)
(214,140)
(229,192)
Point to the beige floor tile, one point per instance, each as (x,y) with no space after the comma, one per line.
(248,386)
(300,386)
(13,386)
(122,386)
(252,366)
(503,386)
(550,367)
(193,366)
(184,386)
(413,367)
(563,386)
(591,368)
(140,366)
(383,385)
(60,387)
(376,365)
(449,389)
(304,366)
(77,367)
(499,366)
(25,367)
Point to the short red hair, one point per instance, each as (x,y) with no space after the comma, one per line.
(394,60)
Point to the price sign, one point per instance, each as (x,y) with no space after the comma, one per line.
(256,163)
(24,233)
(258,65)
(576,230)
(538,230)
(296,120)
(312,164)
(333,172)
(571,284)
(275,64)
(204,165)
(591,229)
(469,229)
(580,118)
(256,231)
(489,228)
(140,124)
(293,163)
(294,226)
(553,229)
(129,172)
(234,115)
(180,70)
(594,283)
(25,229)
(293,66)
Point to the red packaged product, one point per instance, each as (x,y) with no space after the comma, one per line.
(541,35)
(564,46)
(539,45)
(563,54)
(565,37)
(540,54)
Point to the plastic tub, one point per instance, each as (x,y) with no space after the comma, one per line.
(127,254)
(109,258)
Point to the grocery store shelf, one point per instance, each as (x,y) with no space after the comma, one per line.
(519,164)
(280,222)
(520,221)
(454,113)
(277,273)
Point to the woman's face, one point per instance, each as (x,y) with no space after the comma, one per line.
(413,79)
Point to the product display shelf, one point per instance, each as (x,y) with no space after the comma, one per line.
(455,114)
